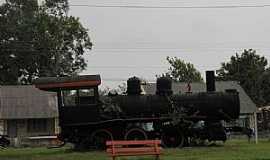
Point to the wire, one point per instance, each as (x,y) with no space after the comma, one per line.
(169,7)
(142,50)
(123,79)
(128,67)
(143,67)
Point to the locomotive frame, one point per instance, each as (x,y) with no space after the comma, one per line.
(88,120)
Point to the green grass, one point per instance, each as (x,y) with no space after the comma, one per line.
(232,150)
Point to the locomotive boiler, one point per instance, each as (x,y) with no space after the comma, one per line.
(89,120)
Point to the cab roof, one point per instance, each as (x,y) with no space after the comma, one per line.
(69,82)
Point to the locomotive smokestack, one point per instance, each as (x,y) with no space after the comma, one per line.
(134,86)
(164,86)
(210,81)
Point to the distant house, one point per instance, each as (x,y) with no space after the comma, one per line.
(247,106)
(27,112)
(263,115)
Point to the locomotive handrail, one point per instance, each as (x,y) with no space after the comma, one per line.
(131,119)
(121,119)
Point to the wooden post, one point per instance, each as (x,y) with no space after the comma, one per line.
(255,127)
(157,149)
(113,151)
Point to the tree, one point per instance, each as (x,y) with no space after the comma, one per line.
(120,89)
(264,88)
(181,71)
(40,40)
(246,69)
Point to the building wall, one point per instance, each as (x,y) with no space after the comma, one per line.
(264,119)
(20,130)
(2,127)
(246,120)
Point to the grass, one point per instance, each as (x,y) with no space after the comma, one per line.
(231,150)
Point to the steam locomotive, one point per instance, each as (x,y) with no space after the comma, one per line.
(89,120)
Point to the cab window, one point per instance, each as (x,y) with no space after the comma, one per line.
(69,97)
(78,97)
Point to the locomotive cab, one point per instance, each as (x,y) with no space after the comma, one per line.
(78,98)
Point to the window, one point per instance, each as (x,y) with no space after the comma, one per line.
(86,96)
(37,125)
(69,97)
(12,128)
(86,92)
(2,127)
(77,97)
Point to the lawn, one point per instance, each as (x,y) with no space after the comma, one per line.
(231,150)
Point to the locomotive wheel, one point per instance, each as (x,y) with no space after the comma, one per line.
(172,138)
(99,137)
(135,134)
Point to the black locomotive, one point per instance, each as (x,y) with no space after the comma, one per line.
(87,119)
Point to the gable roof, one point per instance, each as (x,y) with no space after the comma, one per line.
(22,102)
(247,106)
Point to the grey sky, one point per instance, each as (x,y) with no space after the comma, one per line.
(130,41)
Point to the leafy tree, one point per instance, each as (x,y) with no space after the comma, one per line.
(120,89)
(264,88)
(181,71)
(40,40)
(247,69)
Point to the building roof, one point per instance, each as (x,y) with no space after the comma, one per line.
(247,106)
(23,102)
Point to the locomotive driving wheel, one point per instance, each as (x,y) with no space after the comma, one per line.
(135,134)
(99,137)
(172,137)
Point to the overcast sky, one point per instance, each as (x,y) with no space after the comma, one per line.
(135,41)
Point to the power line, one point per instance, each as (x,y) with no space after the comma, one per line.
(175,48)
(151,46)
(149,49)
(123,79)
(187,51)
(170,7)
(127,67)
(141,67)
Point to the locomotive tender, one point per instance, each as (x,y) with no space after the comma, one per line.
(87,119)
